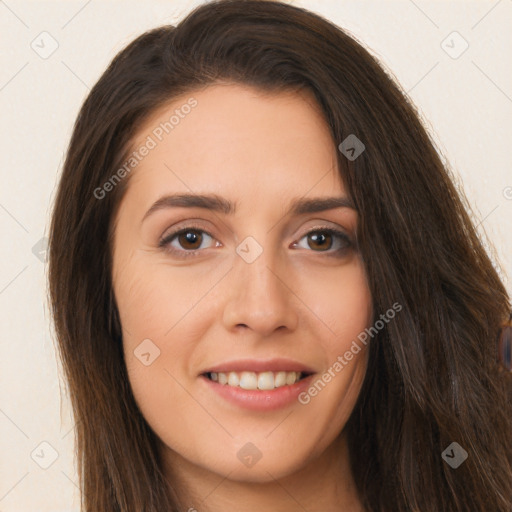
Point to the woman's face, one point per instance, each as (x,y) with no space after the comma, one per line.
(240,280)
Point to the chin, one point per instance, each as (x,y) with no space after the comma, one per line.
(247,463)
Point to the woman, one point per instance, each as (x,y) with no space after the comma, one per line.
(216,357)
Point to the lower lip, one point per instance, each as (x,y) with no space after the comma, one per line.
(260,400)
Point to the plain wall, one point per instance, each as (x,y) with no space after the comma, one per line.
(466,103)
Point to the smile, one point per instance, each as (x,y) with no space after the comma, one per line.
(266,380)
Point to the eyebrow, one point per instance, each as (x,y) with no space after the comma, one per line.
(219,204)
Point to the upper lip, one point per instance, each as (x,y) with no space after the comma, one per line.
(260,365)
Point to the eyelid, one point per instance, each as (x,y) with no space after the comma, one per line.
(326,227)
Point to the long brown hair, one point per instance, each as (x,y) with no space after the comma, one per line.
(433,376)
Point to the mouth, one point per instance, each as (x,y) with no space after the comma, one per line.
(264,381)
(261,385)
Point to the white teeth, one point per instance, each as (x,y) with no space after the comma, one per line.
(290,378)
(266,380)
(253,380)
(248,380)
(233,379)
(279,379)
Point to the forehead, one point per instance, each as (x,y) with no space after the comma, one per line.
(230,137)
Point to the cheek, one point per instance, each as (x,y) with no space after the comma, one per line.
(341,302)
(162,315)
(139,304)
(344,312)
(152,310)
(152,298)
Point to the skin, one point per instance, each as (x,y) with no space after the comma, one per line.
(303,301)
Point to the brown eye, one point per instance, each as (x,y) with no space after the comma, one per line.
(320,240)
(328,240)
(190,239)
(186,242)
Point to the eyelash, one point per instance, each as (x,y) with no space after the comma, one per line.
(165,241)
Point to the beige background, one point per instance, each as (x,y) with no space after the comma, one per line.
(466,100)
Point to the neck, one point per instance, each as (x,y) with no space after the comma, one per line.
(323,485)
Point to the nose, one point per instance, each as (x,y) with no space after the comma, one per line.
(260,297)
